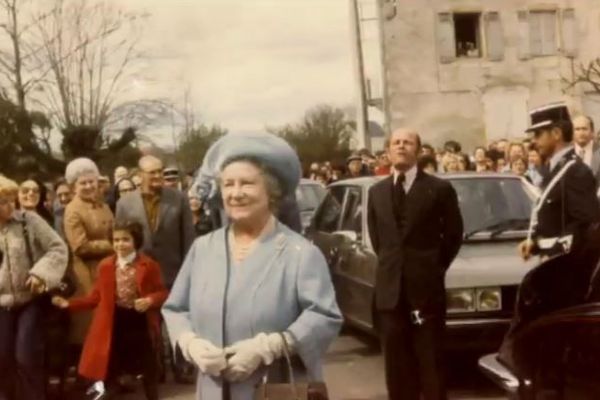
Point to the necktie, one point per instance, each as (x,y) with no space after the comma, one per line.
(581,154)
(399,185)
(399,200)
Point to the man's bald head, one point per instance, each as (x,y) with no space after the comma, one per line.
(404,147)
(583,130)
(406,132)
(151,172)
(147,161)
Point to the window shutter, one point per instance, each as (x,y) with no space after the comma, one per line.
(445,38)
(523,21)
(569,33)
(536,34)
(494,36)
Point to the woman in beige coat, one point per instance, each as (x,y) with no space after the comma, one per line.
(87,223)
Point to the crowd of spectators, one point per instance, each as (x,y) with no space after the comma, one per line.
(519,157)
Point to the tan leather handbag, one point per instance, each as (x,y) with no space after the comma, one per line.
(291,390)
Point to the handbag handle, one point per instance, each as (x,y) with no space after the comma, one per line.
(290,370)
(288,360)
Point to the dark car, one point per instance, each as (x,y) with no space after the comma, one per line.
(309,195)
(482,281)
(552,350)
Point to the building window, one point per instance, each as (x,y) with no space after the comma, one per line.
(542,33)
(467,34)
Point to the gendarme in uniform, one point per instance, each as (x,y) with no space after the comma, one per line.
(568,204)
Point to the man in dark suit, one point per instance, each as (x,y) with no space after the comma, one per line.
(416,230)
(568,205)
(585,146)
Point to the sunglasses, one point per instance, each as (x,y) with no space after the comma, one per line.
(26,189)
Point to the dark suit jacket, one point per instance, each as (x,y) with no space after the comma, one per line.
(596,163)
(414,258)
(174,234)
(571,206)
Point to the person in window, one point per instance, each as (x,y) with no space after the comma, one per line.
(254,283)
(34,259)
(472,50)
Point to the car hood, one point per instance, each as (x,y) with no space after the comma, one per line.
(488,264)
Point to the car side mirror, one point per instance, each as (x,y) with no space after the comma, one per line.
(350,235)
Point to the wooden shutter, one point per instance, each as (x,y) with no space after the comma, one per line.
(445,38)
(494,36)
(569,33)
(523,21)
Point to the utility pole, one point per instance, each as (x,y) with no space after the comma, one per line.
(362,117)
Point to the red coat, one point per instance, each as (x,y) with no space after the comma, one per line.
(95,356)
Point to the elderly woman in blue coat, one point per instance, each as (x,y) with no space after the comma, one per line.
(249,286)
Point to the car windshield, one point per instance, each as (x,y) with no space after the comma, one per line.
(493,205)
(309,196)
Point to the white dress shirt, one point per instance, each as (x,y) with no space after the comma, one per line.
(588,153)
(409,177)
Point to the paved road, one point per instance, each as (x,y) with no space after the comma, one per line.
(354,371)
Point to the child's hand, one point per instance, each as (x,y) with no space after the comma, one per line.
(60,302)
(142,305)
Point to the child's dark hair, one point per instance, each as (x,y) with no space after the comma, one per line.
(134,229)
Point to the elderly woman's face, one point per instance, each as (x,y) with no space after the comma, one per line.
(244,192)
(29,195)
(86,187)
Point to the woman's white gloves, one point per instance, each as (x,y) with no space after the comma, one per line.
(209,358)
(247,355)
(238,361)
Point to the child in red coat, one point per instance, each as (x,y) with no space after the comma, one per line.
(125,329)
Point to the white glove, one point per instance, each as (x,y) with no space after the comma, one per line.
(209,358)
(247,355)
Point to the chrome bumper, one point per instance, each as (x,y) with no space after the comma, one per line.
(469,322)
(498,373)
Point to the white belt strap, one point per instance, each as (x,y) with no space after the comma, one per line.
(533,221)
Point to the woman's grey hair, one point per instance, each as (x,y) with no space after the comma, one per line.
(78,167)
(272,182)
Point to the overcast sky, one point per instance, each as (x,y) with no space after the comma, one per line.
(249,63)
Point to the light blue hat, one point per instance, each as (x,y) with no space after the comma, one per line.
(274,152)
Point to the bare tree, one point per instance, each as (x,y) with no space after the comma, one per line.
(586,74)
(91,50)
(16,66)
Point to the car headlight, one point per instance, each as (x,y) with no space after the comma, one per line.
(489,299)
(460,300)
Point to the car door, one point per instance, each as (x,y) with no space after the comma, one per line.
(325,222)
(354,271)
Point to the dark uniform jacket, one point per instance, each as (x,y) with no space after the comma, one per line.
(571,206)
(415,249)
